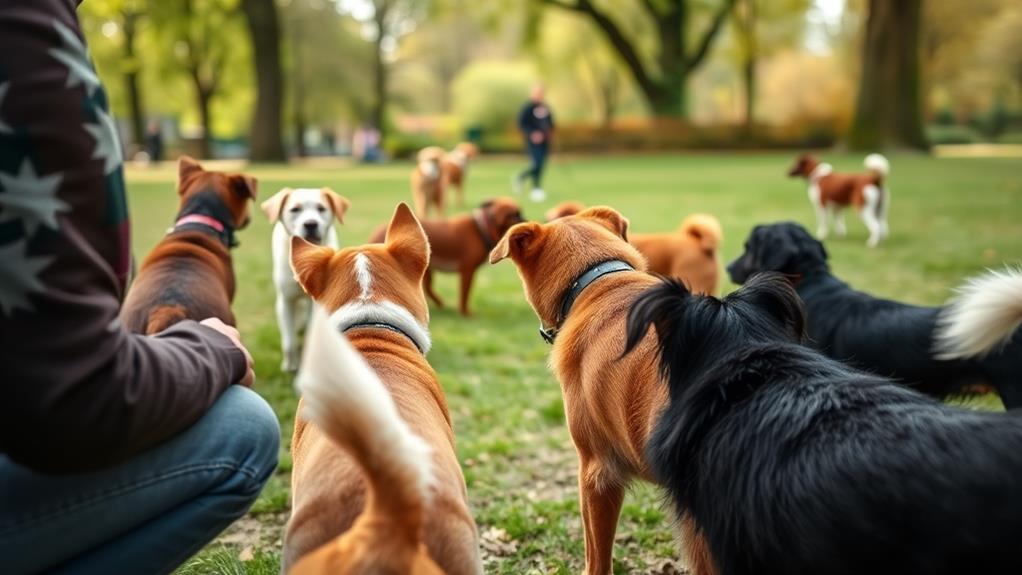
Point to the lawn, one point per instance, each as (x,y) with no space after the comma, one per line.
(950,218)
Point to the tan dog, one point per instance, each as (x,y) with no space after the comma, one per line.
(462,243)
(373,294)
(831,192)
(189,274)
(581,275)
(428,181)
(455,167)
(690,254)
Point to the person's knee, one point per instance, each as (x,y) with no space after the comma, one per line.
(253,433)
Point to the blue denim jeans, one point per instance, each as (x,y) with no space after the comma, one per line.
(537,155)
(149,514)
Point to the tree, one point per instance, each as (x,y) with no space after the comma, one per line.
(888,107)
(266,139)
(663,83)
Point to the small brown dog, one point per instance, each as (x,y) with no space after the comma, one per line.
(831,192)
(373,294)
(428,181)
(690,254)
(462,243)
(581,276)
(455,167)
(189,274)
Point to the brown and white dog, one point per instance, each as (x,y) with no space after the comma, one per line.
(831,192)
(690,254)
(189,274)
(462,243)
(581,276)
(310,214)
(455,167)
(428,181)
(339,520)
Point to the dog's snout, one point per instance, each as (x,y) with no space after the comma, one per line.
(311,226)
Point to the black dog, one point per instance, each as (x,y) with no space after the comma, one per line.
(893,339)
(789,462)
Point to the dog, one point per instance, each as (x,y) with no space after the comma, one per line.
(689,254)
(190,274)
(373,293)
(580,275)
(455,167)
(783,461)
(938,350)
(462,243)
(428,181)
(831,192)
(308,213)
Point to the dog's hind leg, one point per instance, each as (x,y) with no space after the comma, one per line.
(288,334)
(838,215)
(427,286)
(600,502)
(870,214)
(885,205)
(815,196)
(695,549)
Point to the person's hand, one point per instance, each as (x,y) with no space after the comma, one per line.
(235,337)
(536,137)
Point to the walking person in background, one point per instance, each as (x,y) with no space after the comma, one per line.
(536,122)
(154,142)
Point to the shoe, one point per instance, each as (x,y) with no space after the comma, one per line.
(516,184)
(537,195)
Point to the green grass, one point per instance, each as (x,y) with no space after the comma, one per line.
(950,218)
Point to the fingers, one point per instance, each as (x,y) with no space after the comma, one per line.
(248,380)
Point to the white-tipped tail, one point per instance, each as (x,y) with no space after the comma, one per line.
(345,398)
(983,316)
(878,164)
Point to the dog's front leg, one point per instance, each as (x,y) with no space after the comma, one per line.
(600,501)
(288,333)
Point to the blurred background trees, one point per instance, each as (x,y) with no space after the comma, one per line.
(269,79)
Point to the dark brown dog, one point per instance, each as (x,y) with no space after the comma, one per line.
(462,243)
(189,274)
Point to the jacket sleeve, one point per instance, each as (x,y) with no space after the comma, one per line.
(525,119)
(80,391)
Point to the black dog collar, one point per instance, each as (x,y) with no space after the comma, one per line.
(575,289)
(386,326)
(207,205)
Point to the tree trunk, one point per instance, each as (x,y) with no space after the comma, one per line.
(748,25)
(889,105)
(266,138)
(378,113)
(131,81)
(206,117)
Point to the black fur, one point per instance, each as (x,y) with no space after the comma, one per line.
(789,462)
(885,337)
(208,203)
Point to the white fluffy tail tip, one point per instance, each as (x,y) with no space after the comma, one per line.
(982,317)
(877,163)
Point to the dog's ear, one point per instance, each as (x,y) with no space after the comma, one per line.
(774,250)
(609,217)
(310,264)
(515,242)
(244,186)
(406,241)
(773,294)
(187,168)
(338,203)
(274,206)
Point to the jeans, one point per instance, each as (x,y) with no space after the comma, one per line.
(148,514)
(537,153)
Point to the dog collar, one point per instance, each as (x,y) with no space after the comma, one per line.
(206,211)
(386,326)
(575,289)
(483,225)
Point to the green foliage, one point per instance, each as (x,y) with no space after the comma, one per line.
(490,94)
(953,134)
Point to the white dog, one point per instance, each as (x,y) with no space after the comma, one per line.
(308,213)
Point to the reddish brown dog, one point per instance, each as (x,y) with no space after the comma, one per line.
(428,181)
(581,276)
(455,167)
(189,274)
(462,243)
(373,294)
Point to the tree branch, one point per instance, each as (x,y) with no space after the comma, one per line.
(704,45)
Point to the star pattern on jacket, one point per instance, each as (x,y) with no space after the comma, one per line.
(73,55)
(19,276)
(108,146)
(31,197)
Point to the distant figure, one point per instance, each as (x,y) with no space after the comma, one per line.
(366,144)
(536,122)
(154,141)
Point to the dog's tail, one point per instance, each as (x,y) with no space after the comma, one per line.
(982,317)
(162,317)
(879,165)
(345,398)
(706,230)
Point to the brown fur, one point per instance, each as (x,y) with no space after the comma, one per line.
(611,402)
(835,188)
(189,274)
(564,209)
(457,246)
(328,530)
(454,172)
(428,192)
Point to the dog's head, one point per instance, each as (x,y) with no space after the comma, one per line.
(387,273)
(468,149)
(306,212)
(234,190)
(803,166)
(549,256)
(784,247)
(563,210)
(504,212)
